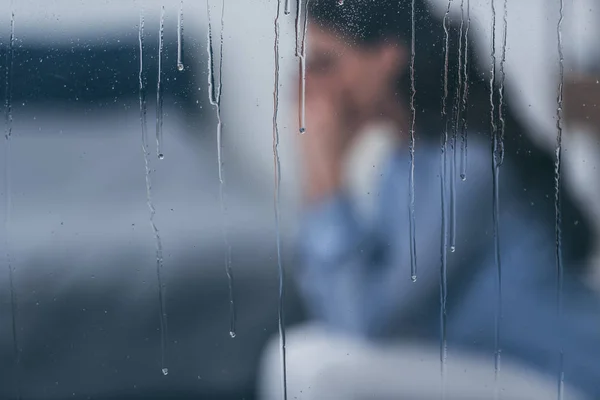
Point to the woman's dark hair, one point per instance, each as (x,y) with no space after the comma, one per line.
(370,22)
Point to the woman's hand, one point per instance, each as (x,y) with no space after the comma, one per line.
(329,134)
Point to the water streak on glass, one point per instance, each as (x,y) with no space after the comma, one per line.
(502,81)
(444,261)
(287,7)
(446,117)
(465,95)
(496,159)
(456,109)
(446,58)
(159,97)
(444,230)
(302,55)
(8,196)
(8,76)
(277,190)
(180,65)
(297,27)
(557,199)
(212,92)
(493,70)
(497,259)
(411,147)
(149,202)
(496,221)
(214,98)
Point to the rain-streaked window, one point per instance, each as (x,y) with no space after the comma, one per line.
(303,199)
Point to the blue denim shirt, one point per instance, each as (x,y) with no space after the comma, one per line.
(355,272)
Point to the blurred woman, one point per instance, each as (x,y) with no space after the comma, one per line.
(355,274)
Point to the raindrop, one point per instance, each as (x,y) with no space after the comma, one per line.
(215,100)
(165,371)
(149,202)
(457,111)
(411,176)
(452,228)
(298,26)
(159,97)
(180,38)
(277,191)
(465,95)
(502,80)
(8,77)
(287,7)
(446,59)
(301,49)
(212,95)
(302,53)
(493,70)
(340,2)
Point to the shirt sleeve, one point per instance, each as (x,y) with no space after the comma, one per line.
(531,329)
(338,252)
(355,273)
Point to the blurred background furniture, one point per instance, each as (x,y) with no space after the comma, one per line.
(79,238)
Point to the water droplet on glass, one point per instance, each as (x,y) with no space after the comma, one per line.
(557,197)
(149,203)
(413,278)
(165,371)
(159,97)
(411,147)
(301,53)
(452,249)
(9,73)
(161,156)
(298,26)
(180,37)
(277,192)
(443,202)
(232,334)
(214,97)
(464,108)
(340,2)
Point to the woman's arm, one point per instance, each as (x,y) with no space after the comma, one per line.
(355,274)
(335,247)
